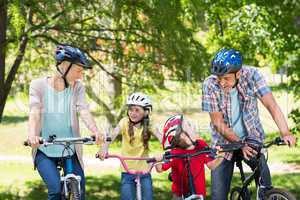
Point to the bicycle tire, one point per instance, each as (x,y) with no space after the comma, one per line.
(236,191)
(74,191)
(279,194)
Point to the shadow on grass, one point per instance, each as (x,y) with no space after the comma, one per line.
(289,182)
(106,187)
(13,119)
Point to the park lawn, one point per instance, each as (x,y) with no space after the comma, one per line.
(20,182)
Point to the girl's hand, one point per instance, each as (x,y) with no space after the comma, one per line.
(101,155)
(99,138)
(159,158)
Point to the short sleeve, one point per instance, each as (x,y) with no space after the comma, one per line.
(81,103)
(202,144)
(35,96)
(166,166)
(260,85)
(209,98)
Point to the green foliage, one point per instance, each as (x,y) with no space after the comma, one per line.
(295,115)
(16,18)
(140,44)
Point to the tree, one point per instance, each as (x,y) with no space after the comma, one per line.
(125,39)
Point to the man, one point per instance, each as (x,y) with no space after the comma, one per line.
(230,96)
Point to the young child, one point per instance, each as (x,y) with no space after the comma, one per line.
(179,136)
(136,131)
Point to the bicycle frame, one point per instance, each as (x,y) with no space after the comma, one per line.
(224,148)
(255,175)
(138,173)
(68,172)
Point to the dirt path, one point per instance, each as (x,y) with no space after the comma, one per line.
(113,164)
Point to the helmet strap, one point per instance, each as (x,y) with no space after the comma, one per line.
(64,75)
(236,80)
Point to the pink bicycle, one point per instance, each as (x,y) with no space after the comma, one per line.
(138,173)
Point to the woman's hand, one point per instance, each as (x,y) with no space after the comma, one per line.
(34,141)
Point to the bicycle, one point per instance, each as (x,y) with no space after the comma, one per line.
(243,193)
(212,152)
(138,173)
(70,183)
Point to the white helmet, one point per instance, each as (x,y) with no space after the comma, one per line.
(139,99)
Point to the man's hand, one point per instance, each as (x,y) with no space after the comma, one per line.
(248,152)
(289,139)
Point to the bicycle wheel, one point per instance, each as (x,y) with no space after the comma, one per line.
(279,194)
(237,194)
(74,190)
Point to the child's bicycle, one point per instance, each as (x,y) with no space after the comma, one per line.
(138,173)
(243,193)
(212,152)
(70,183)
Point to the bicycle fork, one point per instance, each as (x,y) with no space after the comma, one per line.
(138,187)
(68,176)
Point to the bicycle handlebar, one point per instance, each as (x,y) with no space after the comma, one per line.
(74,140)
(277,141)
(125,166)
(223,148)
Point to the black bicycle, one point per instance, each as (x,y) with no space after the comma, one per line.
(187,157)
(243,192)
(70,183)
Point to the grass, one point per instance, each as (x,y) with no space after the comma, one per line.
(20,181)
(25,184)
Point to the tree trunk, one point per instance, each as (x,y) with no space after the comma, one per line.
(3,24)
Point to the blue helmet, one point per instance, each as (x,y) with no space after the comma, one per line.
(71,54)
(226,61)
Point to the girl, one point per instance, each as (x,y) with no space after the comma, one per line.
(136,131)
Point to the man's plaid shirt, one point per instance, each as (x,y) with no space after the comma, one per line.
(251,86)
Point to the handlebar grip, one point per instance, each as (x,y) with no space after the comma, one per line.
(108,139)
(279,141)
(26,143)
(93,137)
(151,160)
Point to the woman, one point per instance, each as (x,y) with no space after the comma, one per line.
(54,103)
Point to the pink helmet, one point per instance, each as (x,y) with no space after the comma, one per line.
(173,128)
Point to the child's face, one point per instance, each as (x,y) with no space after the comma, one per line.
(184,141)
(136,113)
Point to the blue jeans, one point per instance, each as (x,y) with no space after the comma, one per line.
(47,168)
(128,187)
(222,175)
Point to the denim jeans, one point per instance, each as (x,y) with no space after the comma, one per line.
(222,175)
(128,187)
(47,168)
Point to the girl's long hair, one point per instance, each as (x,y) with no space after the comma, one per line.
(146,131)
